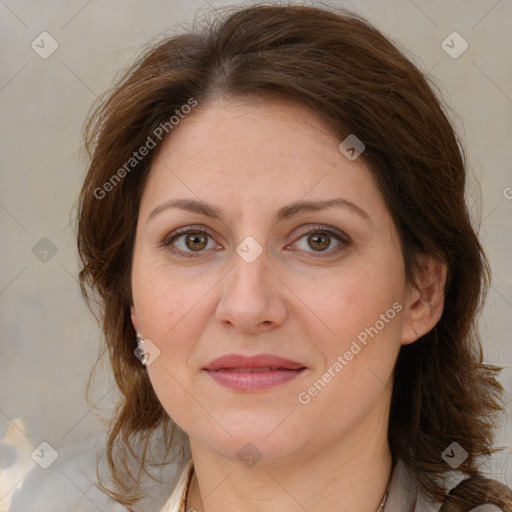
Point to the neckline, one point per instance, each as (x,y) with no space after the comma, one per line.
(381,508)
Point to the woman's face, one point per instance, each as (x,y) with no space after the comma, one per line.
(262,271)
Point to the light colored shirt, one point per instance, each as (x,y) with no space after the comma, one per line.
(403,495)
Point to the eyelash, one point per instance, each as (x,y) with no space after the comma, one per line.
(344,240)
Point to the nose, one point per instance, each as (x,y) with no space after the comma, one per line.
(253,297)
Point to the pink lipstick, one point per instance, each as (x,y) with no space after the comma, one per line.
(253,373)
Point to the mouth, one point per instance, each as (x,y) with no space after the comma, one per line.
(254,370)
(260,362)
(255,373)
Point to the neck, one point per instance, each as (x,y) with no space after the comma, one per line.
(351,474)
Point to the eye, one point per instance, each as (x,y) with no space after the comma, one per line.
(320,238)
(189,240)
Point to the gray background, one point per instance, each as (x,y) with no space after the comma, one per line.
(49,339)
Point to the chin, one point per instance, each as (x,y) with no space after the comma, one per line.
(251,450)
(266,438)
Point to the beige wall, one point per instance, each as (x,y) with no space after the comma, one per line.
(49,339)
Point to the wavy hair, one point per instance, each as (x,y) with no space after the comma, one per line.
(341,67)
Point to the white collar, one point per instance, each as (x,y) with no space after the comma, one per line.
(178,498)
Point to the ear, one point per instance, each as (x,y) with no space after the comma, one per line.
(424,305)
(135,319)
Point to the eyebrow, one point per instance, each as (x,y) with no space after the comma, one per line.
(286,212)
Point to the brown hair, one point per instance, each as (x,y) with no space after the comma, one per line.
(340,66)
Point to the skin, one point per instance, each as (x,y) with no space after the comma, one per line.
(249,158)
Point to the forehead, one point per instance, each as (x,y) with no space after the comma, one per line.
(253,150)
(227,128)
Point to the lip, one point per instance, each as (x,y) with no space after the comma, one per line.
(236,361)
(253,373)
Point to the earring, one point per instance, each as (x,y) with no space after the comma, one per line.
(139,351)
(416,332)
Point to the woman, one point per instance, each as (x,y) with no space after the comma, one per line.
(275,213)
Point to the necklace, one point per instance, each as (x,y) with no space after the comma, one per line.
(383,503)
(386,492)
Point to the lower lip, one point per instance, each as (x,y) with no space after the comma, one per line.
(254,381)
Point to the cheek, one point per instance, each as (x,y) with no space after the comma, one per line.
(171,314)
(352,299)
(360,314)
(165,300)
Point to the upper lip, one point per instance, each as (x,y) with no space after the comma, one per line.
(236,361)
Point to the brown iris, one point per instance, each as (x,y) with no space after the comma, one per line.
(319,242)
(196,241)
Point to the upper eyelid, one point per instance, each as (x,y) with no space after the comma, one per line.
(320,227)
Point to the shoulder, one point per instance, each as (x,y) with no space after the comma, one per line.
(67,485)
(475,494)
(478,494)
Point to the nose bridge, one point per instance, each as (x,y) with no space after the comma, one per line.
(250,294)
(250,275)
(251,260)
